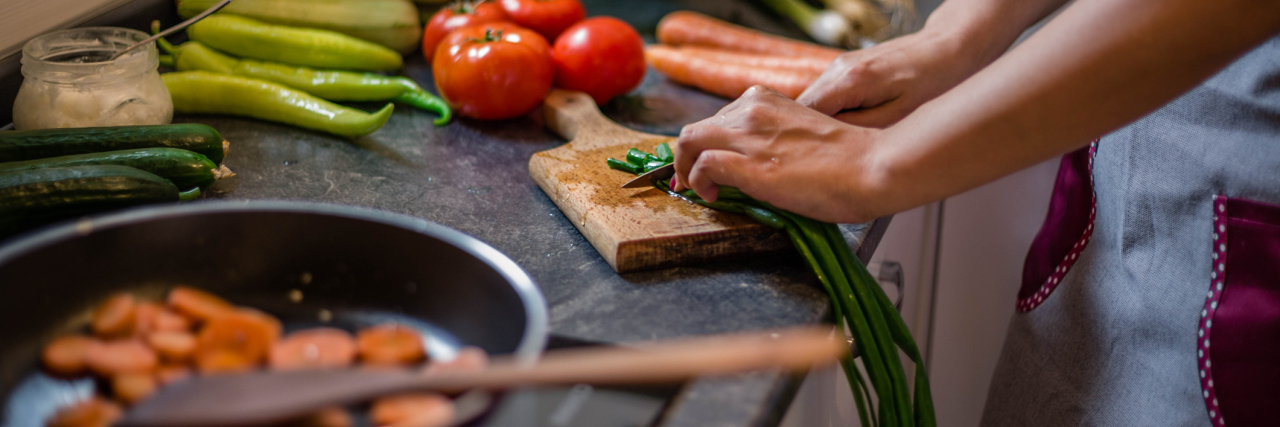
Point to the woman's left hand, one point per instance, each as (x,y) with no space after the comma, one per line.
(780,152)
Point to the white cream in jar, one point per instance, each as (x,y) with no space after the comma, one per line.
(68,83)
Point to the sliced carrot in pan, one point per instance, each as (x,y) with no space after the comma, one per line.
(235,341)
(173,346)
(131,388)
(93,412)
(390,344)
(119,357)
(68,355)
(412,410)
(197,304)
(314,348)
(169,374)
(115,316)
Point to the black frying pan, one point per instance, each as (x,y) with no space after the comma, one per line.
(353,267)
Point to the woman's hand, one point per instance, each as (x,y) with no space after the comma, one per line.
(878,86)
(780,152)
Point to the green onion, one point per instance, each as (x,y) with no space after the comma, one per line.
(858,302)
(623,166)
(825,26)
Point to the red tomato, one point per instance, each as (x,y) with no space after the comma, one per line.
(547,17)
(601,56)
(493,71)
(455,16)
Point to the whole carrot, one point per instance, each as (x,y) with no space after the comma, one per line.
(725,79)
(805,64)
(691,28)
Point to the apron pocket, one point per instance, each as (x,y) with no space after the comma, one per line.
(1065,232)
(1239,334)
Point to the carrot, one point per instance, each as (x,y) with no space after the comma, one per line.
(691,28)
(389,344)
(334,416)
(131,388)
(115,316)
(412,410)
(173,346)
(235,341)
(154,317)
(469,359)
(169,374)
(93,412)
(67,355)
(314,348)
(806,64)
(120,357)
(197,304)
(724,79)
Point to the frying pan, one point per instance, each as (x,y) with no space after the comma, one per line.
(309,264)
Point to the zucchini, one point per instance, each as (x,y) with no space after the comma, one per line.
(44,143)
(33,197)
(186,169)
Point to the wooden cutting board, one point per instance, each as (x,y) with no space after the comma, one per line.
(633,229)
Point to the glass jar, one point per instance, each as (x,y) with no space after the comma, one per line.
(68,82)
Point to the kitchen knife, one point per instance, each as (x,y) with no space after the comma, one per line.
(648,178)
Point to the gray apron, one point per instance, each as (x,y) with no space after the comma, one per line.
(1152,295)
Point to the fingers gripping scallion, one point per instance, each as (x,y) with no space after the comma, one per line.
(857,301)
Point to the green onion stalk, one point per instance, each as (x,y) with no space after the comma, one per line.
(825,26)
(857,300)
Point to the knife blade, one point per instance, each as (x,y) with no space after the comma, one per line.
(647,179)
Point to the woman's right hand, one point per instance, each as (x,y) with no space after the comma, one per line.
(877,86)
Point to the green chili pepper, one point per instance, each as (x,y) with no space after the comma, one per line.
(205,92)
(330,85)
(309,47)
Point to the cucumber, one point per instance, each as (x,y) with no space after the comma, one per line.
(44,143)
(33,197)
(186,169)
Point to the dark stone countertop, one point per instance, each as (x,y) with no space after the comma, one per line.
(473,176)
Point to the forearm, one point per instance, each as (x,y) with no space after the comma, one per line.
(984,29)
(1096,67)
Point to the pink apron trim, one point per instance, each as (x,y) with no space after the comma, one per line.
(1029,302)
(1218,276)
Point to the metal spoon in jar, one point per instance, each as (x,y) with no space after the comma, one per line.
(172,29)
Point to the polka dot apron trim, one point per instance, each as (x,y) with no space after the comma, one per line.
(1031,302)
(1217,277)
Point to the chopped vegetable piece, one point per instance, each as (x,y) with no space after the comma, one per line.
(131,388)
(390,344)
(328,417)
(169,374)
(469,359)
(197,304)
(623,166)
(121,357)
(412,410)
(93,412)
(664,152)
(314,348)
(115,316)
(173,346)
(235,341)
(636,157)
(68,355)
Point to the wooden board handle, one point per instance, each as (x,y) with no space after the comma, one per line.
(574,115)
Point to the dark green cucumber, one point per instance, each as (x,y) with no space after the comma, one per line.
(33,197)
(186,169)
(44,143)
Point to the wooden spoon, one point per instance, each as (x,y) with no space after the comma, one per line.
(270,397)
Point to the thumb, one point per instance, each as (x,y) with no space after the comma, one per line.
(714,168)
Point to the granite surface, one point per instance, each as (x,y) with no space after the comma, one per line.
(473,176)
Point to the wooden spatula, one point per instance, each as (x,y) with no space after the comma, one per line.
(271,397)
